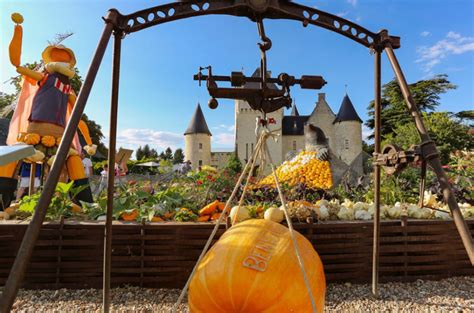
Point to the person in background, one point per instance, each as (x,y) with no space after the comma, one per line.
(25,171)
(103,180)
(87,163)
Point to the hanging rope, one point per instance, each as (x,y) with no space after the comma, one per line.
(292,232)
(261,151)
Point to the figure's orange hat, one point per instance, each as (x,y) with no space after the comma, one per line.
(58,53)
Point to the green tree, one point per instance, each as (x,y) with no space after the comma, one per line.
(233,164)
(178,156)
(153,154)
(139,153)
(169,154)
(448,134)
(426,94)
(146,151)
(95,131)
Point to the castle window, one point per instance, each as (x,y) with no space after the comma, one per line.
(200,146)
(294,145)
(247,151)
(200,163)
(346,144)
(251,151)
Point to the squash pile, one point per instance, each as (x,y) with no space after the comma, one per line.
(211,212)
(45,146)
(305,169)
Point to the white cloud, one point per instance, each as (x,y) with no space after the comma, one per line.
(224,139)
(452,44)
(425,33)
(352,2)
(342,14)
(225,127)
(132,138)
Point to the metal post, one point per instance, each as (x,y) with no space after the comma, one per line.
(377,117)
(31,185)
(111,171)
(433,161)
(29,239)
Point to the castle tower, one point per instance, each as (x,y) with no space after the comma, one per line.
(323,118)
(245,122)
(197,140)
(348,126)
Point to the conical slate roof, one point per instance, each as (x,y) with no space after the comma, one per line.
(198,124)
(294,110)
(347,112)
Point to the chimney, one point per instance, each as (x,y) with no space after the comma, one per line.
(321,96)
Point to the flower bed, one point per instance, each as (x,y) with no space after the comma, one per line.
(161,255)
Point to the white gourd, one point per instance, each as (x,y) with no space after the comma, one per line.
(239,214)
(274,214)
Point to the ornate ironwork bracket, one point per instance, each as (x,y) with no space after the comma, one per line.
(256,9)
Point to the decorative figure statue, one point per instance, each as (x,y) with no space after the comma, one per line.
(44,106)
(315,140)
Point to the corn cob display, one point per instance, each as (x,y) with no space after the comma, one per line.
(305,169)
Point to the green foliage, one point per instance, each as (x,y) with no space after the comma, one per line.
(166,166)
(178,156)
(146,153)
(168,154)
(426,94)
(60,205)
(95,131)
(184,215)
(234,165)
(448,134)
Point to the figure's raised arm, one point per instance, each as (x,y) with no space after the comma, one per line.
(15,50)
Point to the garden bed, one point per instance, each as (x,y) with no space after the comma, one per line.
(161,255)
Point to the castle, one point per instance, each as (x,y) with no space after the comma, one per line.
(343,132)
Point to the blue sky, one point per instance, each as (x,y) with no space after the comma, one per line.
(158,95)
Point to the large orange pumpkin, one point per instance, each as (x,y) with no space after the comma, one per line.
(253,268)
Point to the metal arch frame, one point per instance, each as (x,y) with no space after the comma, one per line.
(274,9)
(119,25)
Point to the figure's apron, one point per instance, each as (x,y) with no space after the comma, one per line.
(50,106)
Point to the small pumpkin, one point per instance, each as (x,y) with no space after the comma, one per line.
(129,215)
(209,209)
(215,216)
(17,18)
(4,215)
(58,141)
(168,215)
(48,141)
(203,218)
(11,211)
(76,208)
(156,219)
(265,275)
(32,139)
(221,206)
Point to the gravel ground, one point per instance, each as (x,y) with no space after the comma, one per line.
(449,295)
